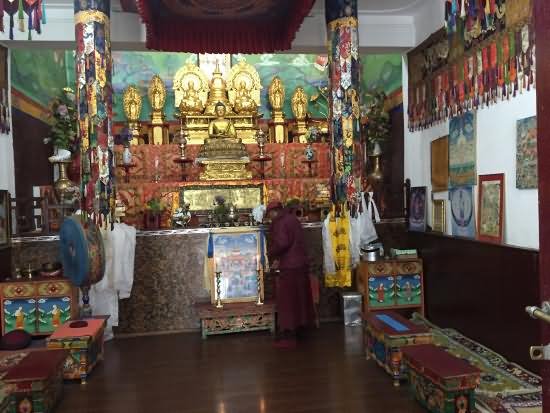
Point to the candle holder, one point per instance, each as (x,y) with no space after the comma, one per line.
(218,289)
(261,138)
(259,286)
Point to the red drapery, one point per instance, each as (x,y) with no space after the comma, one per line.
(181,30)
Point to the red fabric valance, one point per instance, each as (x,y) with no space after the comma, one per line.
(265,26)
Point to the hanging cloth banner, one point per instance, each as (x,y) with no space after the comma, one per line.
(36,15)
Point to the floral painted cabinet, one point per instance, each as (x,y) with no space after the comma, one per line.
(39,305)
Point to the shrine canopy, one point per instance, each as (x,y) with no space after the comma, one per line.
(222,26)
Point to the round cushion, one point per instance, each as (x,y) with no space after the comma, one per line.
(78,324)
(15,340)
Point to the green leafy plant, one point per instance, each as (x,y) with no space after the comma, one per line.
(63,112)
(378,123)
(155,206)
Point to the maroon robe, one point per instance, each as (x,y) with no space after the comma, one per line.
(293,292)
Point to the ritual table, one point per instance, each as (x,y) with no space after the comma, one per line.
(236,318)
(36,382)
(85,344)
(441,382)
(386,334)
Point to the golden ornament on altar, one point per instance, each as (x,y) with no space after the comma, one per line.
(244,88)
(190,89)
(217,93)
(157,93)
(299,103)
(276,94)
(132,102)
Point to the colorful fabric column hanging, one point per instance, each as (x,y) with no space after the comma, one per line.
(344,101)
(94,98)
(36,15)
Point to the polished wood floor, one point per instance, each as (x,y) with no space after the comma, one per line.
(238,374)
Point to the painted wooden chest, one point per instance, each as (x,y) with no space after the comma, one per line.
(386,334)
(37,306)
(236,318)
(85,345)
(441,382)
(36,382)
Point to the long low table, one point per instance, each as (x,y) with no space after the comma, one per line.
(236,318)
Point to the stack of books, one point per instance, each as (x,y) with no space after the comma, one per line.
(404,254)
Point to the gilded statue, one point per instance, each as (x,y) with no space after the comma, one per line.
(131,101)
(190,101)
(222,141)
(299,103)
(157,93)
(243,102)
(276,94)
(244,88)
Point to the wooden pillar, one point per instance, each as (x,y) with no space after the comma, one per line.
(94,105)
(344,99)
(542,28)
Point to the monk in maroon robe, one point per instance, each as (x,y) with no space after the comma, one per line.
(288,256)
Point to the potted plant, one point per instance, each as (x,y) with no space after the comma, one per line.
(152,214)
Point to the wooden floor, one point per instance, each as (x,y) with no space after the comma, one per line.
(238,374)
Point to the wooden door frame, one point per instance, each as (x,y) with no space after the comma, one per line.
(542,33)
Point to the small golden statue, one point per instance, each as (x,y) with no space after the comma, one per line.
(223,154)
(243,101)
(131,102)
(278,129)
(190,101)
(299,103)
(157,98)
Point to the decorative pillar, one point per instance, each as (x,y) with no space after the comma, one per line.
(344,101)
(94,99)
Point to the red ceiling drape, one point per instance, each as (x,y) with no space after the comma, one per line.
(184,29)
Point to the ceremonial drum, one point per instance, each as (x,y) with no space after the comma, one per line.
(82,252)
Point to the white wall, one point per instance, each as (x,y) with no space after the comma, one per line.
(7,176)
(496,153)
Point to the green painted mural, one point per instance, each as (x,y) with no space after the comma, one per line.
(40,74)
(307,70)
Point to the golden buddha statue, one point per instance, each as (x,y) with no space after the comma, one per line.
(276,93)
(131,102)
(222,141)
(298,104)
(190,101)
(217,93)
(243,102)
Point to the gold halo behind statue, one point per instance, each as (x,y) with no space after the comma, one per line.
(244,88)
(193,101)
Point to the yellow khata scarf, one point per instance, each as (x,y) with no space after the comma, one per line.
(340,240)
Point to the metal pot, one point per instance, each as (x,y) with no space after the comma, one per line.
(370,253)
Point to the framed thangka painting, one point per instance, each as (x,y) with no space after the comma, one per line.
(237,255)
(417,209)
(526,154)
(462,150)
(491,207)
(439,221)
(463,220)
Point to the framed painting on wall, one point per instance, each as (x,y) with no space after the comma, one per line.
(463,220)
(440,164)
(417,208)
(5,212)
(526,154)
(462,150)
(237,258)
(491,207)
(439,221)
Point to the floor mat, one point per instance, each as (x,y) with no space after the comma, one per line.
(505,387)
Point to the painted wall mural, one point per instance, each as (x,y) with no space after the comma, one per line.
(307,70)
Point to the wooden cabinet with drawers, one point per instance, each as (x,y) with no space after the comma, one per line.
(37,305)
(391,284)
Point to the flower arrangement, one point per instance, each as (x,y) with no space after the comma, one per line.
(63,112)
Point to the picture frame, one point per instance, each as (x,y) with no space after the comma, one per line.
(439,216)
(462,150)
(461,199)
(417,209)
(491,207)
(237,255)
(5,219)
(526,154)
(440,164)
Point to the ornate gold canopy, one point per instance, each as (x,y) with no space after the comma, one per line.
(190,75)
